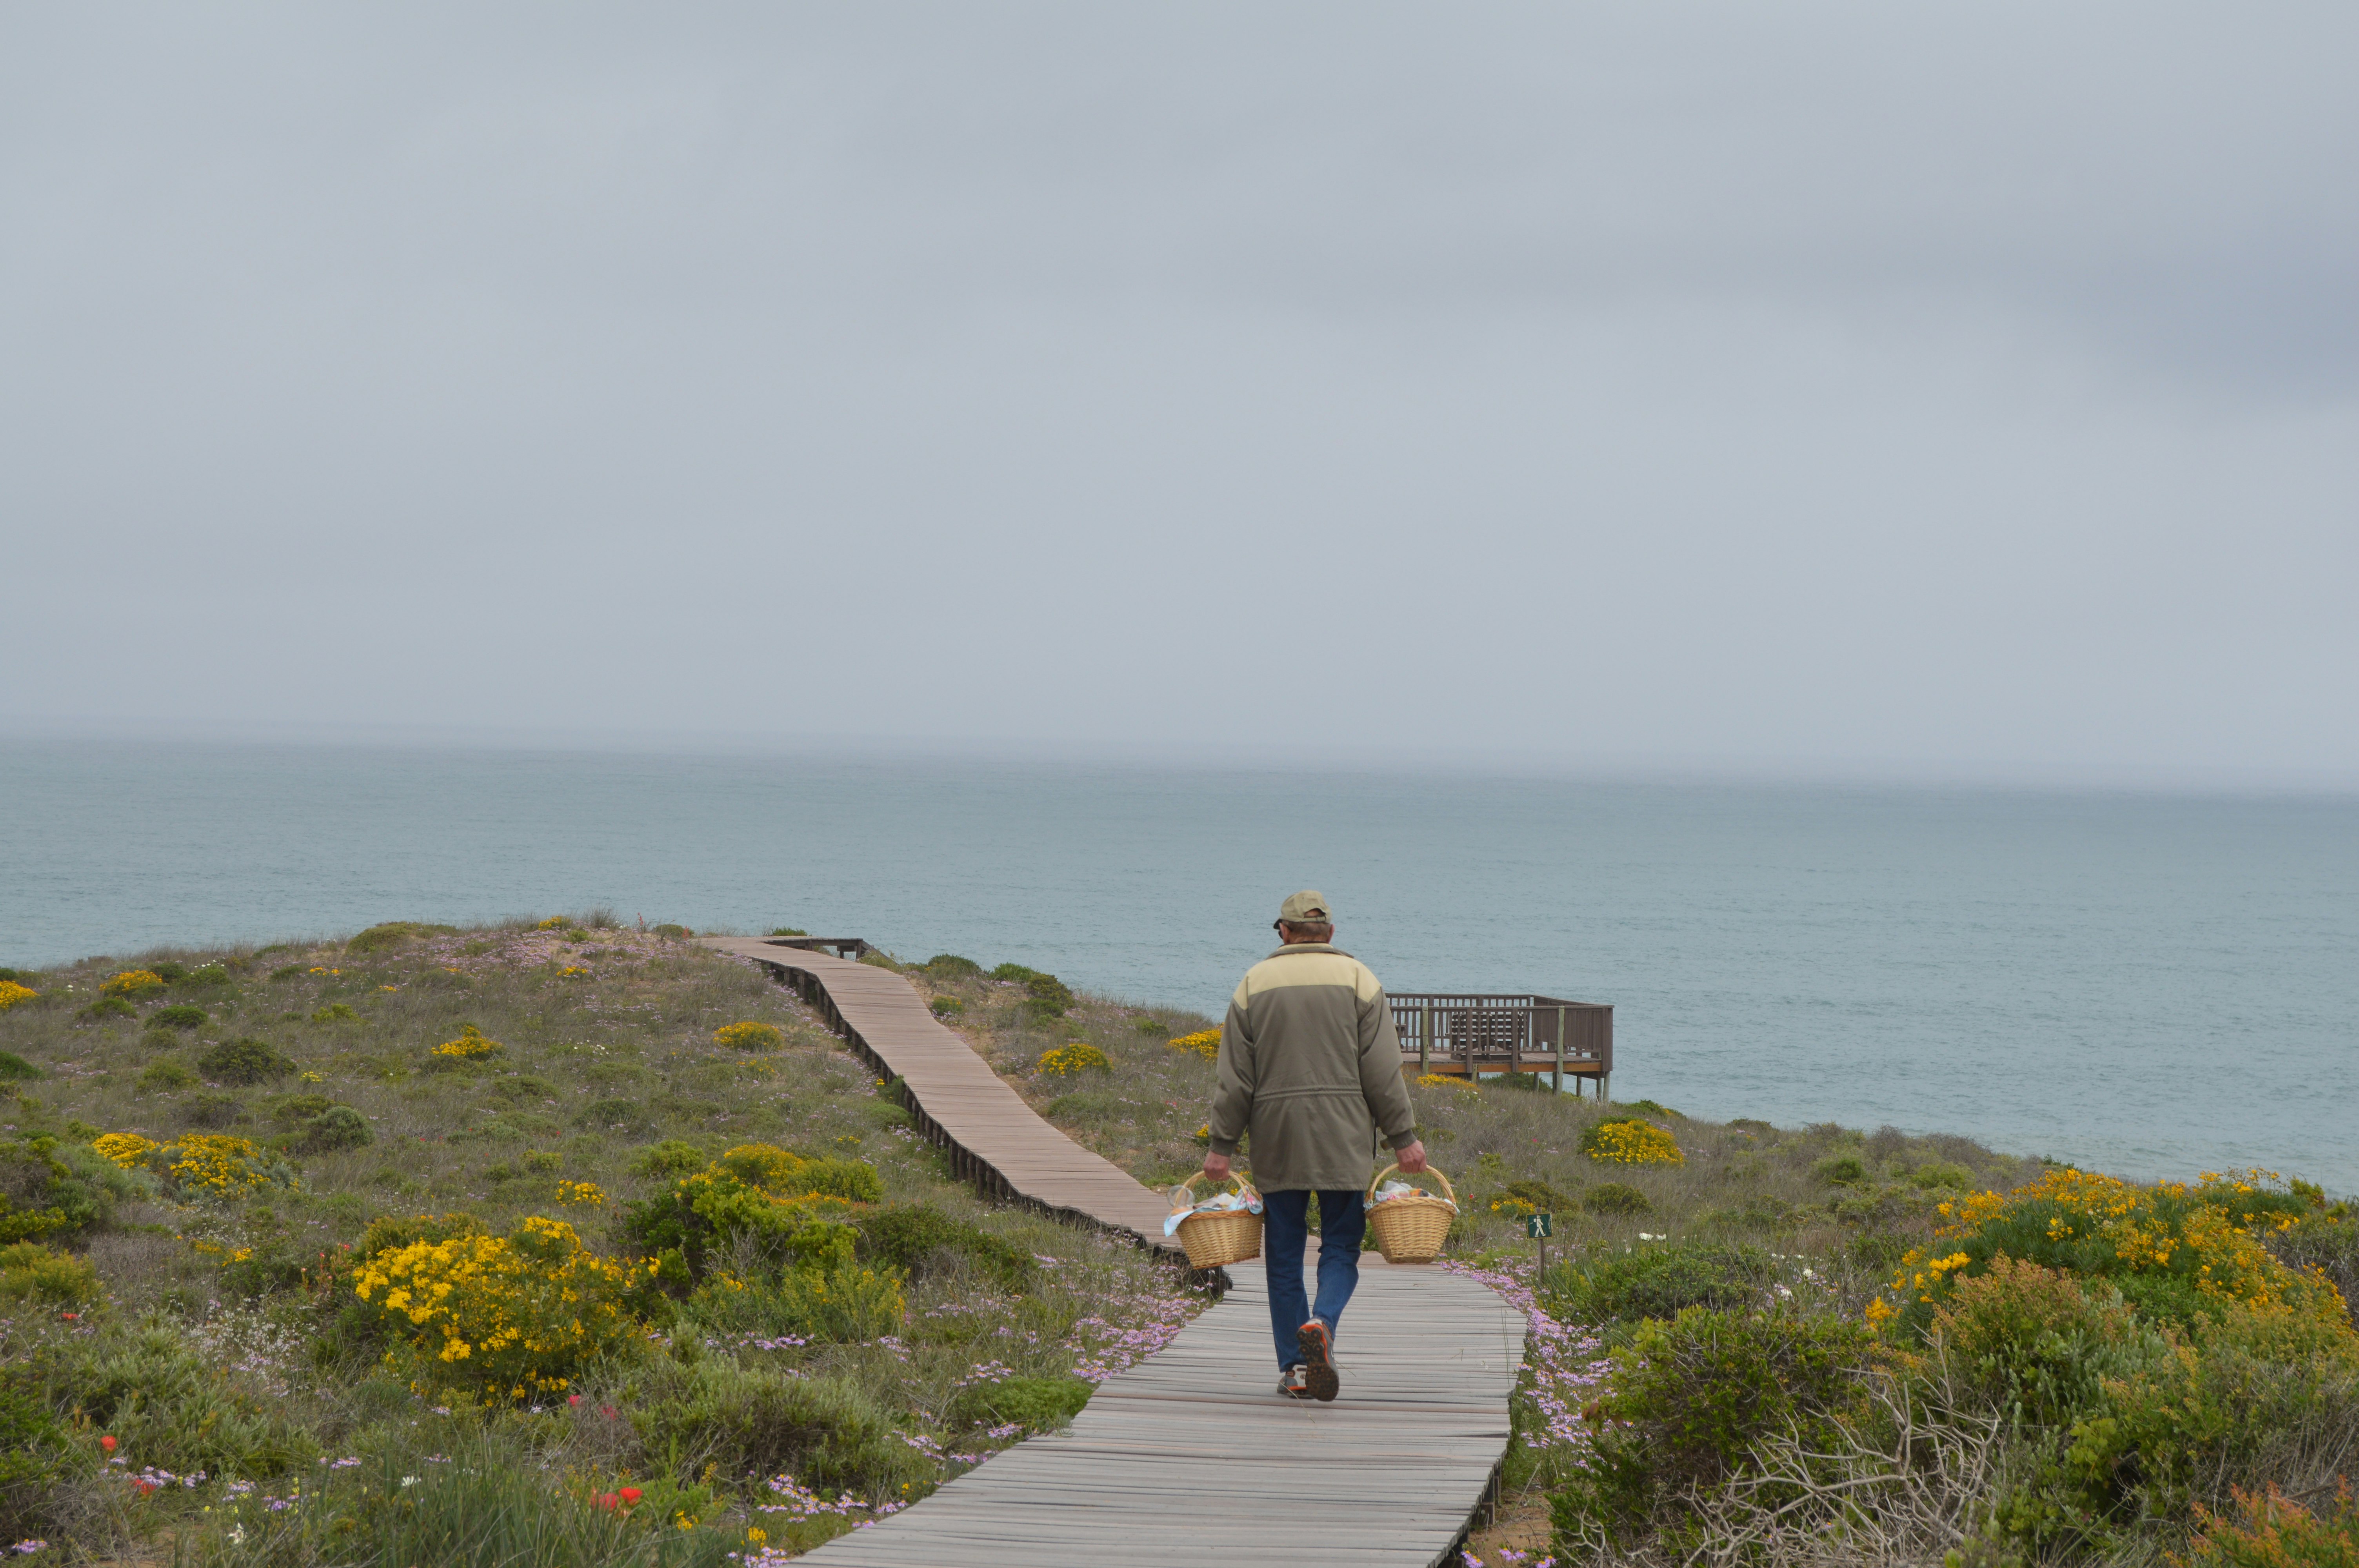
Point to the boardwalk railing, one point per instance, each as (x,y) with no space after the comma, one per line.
(1466,1033)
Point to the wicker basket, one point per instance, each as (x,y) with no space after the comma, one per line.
(1224,1235)
(1411,1229)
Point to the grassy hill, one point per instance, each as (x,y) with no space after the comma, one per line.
(557,1243)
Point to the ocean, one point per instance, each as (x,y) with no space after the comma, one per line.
(2139,983)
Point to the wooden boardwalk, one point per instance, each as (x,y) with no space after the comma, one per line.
(1190,1457)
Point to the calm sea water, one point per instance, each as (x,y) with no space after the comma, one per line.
(2146,985)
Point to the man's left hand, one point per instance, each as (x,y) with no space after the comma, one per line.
(1216,1166)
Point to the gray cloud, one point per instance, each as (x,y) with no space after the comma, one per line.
(1920,388)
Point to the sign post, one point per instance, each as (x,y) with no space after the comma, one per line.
(1540,1228)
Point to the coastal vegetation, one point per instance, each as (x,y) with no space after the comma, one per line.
(559,1243)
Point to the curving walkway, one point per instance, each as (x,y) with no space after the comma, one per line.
(1190,1457)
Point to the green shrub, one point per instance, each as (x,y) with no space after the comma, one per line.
(60,1190)
(827,1432)
(108,1007)
(168,971)
(287,972)
(1840,1170)
(335,1013)
(1687,1399)
(775,930)
(336,1128)
(2330,1244)
(913,1237)
(395,934)
(35,1456)
(14,1069)
(1047,997)
(389,1231)
(753,1201)
(167,1403)
(296,1109)
(165,1075)
(841,1305)
(1941,1174)
(616,1113)
(672,933)
(1152,1026)
(1643,1107)
(183,1016)
(207,975)
(245,1061)
(1035,1404)
(1659,1280)
(31,1272)
(947,1007)
(673,1157)
(1615,1197)
(950,966)
(1013,972)
(544,1162)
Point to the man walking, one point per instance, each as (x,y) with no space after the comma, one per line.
(1311,1067)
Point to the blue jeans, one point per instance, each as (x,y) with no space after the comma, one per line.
(1342,1221)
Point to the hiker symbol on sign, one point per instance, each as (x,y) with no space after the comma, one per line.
(1539,1225)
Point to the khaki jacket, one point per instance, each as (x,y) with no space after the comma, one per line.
(1310,1065)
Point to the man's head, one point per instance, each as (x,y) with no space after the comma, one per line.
(1304,917)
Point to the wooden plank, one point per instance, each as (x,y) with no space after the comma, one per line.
(1189,1457)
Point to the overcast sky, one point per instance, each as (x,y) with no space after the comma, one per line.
(1924,388)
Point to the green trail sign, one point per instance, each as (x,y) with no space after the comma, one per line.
(1539,1227)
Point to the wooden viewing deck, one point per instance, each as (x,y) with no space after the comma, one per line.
(1190,1457)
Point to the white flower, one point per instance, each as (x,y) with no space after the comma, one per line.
(410,1480)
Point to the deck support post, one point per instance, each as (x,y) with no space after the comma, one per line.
(1559,1050)
(1425,1044)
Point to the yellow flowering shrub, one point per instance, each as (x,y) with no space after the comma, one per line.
(589,1193)
(131,982)
(470,1045)
(127,1149)
(11,993)
(1077,1056)
(507,1317)
(2176,1251)
(749,1036)
(1446,1081)
(571,972)
(1631,1142)
(1205,1042)
(219,1165)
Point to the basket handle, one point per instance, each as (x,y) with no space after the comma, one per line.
(1184,1195)
(1430,1170)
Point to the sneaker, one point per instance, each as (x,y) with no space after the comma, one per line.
(1293,1385)
(1319,1361)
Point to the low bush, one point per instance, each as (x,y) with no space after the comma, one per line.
(914,1237)
(616,1113)
(335,1013)
(749,1036)
(244,1061)
(334,1129)
(757,1200)
(37,1456)
(504,1317)
(210,1110)
(1615,1197)
(470,1046)
(14,1069)
(1035,1404)
(946,1007)
(293,1111)
(827,1432)
(1075,1057)
(1046,997)
(673,1157)
(56,1190)
(205,977)
(1204,1042)
(950,966)
(128,1150)
(1688,1400)
(166,1074)
(672,933)
(108,1007)
(32,1272)
(219,1167)
(2328,1243)
(2271,1531)
(1013,972)
(1658,1280)
(395,934)
(167,1403)
(183,1016)
(1628,1141)
(12,993)
(1840,1170)
(1942,1175)
(840,1305)
(133,982)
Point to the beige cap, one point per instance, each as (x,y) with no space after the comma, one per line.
(1304,908)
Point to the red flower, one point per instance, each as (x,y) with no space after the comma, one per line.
(107,1442)
(631,1495)
(573,1398)
(147,1488)
(609,1411)
(71,1316)
(608,1500)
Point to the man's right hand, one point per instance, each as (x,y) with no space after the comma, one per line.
(1412,1159)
